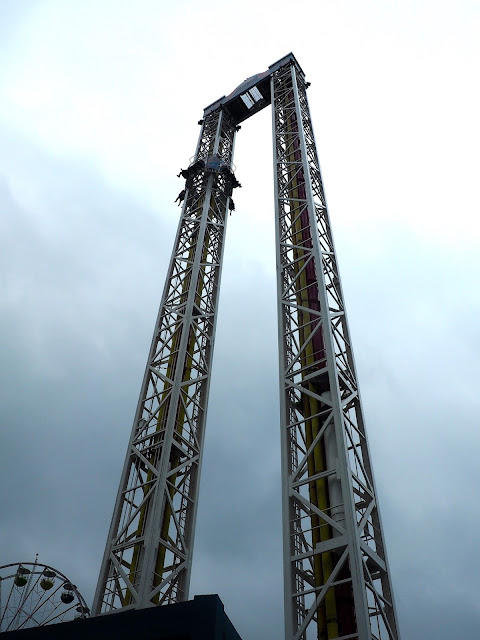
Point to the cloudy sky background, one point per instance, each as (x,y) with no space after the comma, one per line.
(99,102)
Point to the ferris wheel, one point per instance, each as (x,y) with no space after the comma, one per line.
(34,594)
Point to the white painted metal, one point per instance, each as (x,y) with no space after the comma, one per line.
(337,584)
(336,576)
(147,559)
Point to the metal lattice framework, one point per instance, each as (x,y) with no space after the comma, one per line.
(336,577)
(337,584)
(149,548)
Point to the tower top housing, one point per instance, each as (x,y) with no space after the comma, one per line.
(252,95)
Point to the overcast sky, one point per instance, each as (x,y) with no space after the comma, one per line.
(99,103)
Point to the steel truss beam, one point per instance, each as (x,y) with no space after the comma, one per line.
(148,555)
(337,584)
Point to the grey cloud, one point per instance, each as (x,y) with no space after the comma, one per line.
(82,269)
(73,352)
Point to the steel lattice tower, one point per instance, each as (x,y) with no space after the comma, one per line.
(337,583)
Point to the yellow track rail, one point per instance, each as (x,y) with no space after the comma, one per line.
(327,620)
(160,567)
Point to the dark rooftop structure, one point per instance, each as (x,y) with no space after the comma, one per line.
(202,618)
(252,95)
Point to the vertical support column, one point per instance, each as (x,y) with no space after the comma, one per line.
(337,584)
(148,555)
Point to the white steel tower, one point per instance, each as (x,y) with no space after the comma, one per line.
(337,584)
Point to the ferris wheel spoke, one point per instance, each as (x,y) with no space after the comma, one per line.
(22,596)
(26,596)
(6,606)
(29,590)
(16,615)
(41,604)
(36,596)
(50,620)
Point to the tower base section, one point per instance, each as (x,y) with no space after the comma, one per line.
(202,618)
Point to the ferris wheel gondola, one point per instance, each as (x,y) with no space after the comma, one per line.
(33,594)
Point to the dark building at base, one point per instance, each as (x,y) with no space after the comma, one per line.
(202,618)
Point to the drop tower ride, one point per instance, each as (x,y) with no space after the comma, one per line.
(337,583)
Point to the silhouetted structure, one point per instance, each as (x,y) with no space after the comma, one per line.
(202,618)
